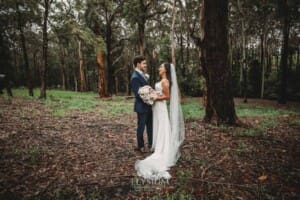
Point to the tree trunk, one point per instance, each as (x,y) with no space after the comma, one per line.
(102,78)
(298,59)
(5,69)
(63,67)
(214,52)
(116,84)
(269,63)
(290,62)
(284,54)
(35,69)
(262,39)
(45,51)
(141,29)
(181,48)
(81,68)
(75,81)
(277,63)
(173,34)
(110,68)
(230,52)
(128,75)
(245,82)
(155,64)
(243,63)
(188,48)
(25,55)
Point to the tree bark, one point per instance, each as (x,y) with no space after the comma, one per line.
(173,34)
(141,29)
(262,54)
(277,63)
(6,73)
(215,63)
(102,78)
(284,54)
(36,68)
(45,51)
(25,55)
(75,81)
(181,47)
(110,68)
(81,68)
(298,58)
(116,84)
(243,61)
(187,48)
(128,75)
(63,66)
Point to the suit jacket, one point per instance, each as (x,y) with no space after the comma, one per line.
(136,82)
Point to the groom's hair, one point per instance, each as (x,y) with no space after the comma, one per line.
(138,59)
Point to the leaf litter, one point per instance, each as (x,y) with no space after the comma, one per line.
(84,155)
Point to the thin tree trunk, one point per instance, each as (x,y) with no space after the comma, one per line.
(181,48)
(81,68)
(110,67)
(102,78)
(188,48)
(230,52)
(290,62)
(116,84)
(25,55)
(173,33)
(45,51)
(298,59)
(128,91)
(269,63)
(277,63)
(141,29)
(35,68)
(75,81)
(243,64)
(63,66)
(5,71)
(284,54)
(215,62)
(262,37)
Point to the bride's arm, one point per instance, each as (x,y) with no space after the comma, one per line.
(165,91)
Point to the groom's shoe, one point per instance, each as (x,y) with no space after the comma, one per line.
(141,149)
(150,149)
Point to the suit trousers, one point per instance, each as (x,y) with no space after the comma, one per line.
(144,119)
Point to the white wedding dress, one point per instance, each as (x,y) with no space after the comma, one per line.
(168,134)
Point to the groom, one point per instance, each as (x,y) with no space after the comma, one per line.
(143,110)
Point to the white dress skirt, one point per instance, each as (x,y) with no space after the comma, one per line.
(156,166)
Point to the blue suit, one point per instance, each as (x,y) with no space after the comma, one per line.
(143,110)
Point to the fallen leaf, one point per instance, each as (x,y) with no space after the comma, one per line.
(263,177)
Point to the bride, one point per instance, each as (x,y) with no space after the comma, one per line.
(168,133)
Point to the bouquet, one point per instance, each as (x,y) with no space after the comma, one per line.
(148,94)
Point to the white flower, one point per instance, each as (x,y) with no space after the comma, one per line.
(148,94)
(147,76)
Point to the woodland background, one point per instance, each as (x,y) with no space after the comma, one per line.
(67,126)
(89,45)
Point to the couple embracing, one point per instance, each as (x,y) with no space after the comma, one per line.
(165,132)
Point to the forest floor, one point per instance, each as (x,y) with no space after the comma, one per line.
(74,146)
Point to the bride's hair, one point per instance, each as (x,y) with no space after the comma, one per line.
(168,73)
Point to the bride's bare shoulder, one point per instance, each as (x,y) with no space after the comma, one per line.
(165,83)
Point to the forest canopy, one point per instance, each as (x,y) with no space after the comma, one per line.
(88,45)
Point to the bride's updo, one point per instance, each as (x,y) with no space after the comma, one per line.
(168,72)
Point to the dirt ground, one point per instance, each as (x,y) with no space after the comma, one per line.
(86,156)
